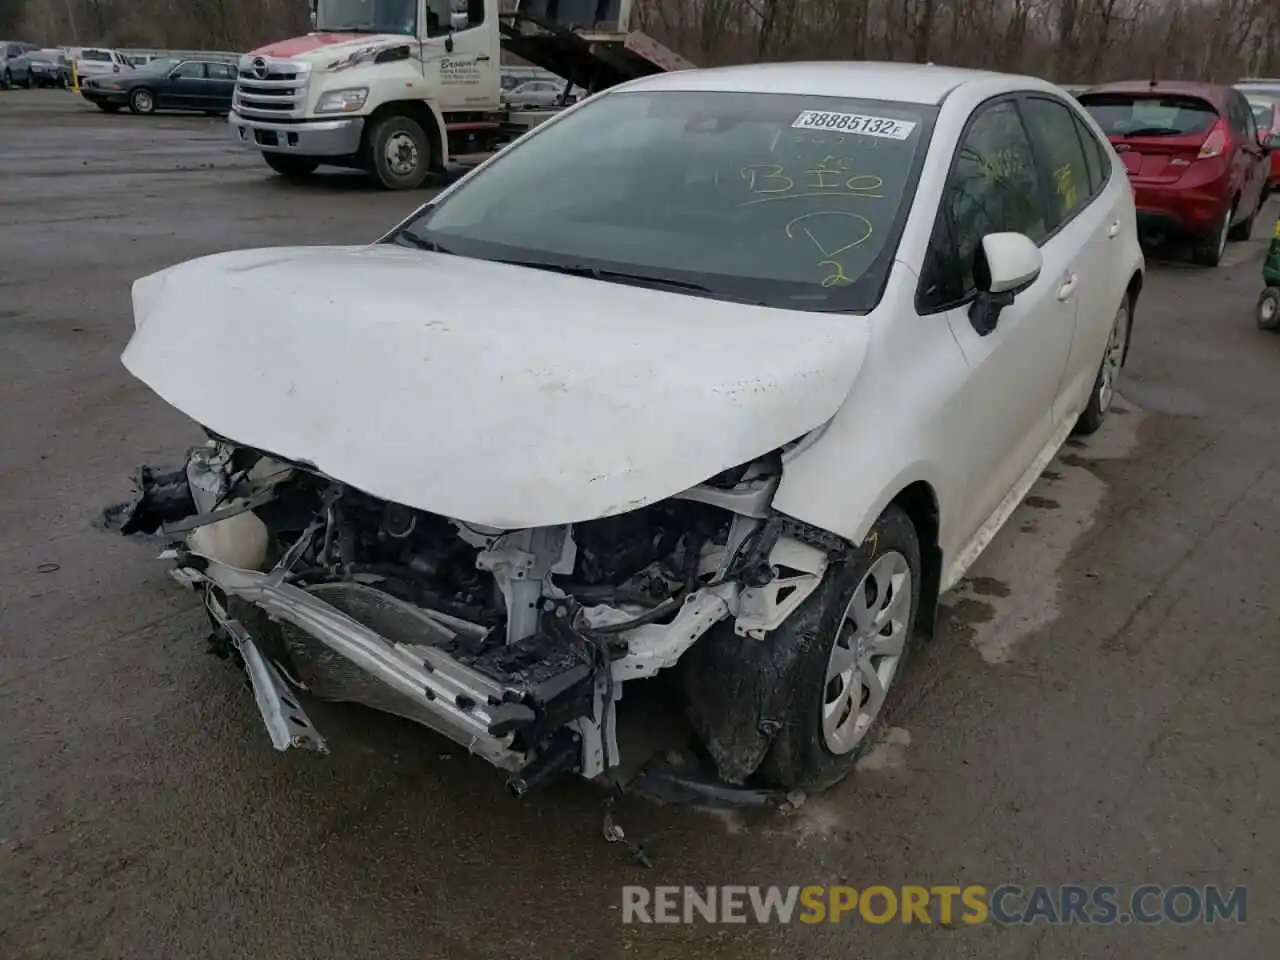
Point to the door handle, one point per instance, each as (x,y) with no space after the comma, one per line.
(1068,287)
(483,58)
(1113,231)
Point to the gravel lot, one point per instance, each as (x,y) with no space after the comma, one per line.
(1100,707)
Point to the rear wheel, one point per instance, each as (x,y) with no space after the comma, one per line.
(1244,230)
(1104,385)
(291,166)
(400,153)
(1269,309)
(1209,251)
(142,100)
(6,81)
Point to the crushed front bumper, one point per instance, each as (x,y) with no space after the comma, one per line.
(456,700)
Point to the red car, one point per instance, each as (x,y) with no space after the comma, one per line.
(1266,111)
(1198,169)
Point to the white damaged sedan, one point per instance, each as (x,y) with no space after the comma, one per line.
(730,372)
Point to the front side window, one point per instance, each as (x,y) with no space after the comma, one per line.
(1068,167)
(992,188)
(220,71)
(368,16)
(100,56)
(787,200)
(191,70)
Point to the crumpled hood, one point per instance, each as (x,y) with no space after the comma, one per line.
(498,395)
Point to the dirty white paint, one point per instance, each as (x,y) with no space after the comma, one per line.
(1026,563)
(498,395)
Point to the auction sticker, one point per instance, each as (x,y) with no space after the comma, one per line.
(857,123)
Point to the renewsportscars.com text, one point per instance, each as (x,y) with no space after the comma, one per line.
(1006,904)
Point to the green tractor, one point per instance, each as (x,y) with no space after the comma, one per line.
(1269,302)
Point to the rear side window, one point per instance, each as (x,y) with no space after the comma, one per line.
(1140,115)
(1098,155)
(1068,170)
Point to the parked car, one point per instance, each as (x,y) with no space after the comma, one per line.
(1193,156)
(98,62)
(805,335)
(40,68)
(1260,86)
(11,50)
(535,93)
(169,84)
(1266,113)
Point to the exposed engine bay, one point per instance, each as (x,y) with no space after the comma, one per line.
(516,644)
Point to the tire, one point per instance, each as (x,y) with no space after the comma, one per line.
(1104,384)
(1208,252)
(6,81)
(142,101)
(410,153)
(1268,315)
(290,166)
(1244,231)
(109,107)
(806,754)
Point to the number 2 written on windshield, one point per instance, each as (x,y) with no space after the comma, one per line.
(832,233)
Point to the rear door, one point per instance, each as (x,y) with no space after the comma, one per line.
(222,85)
(1247,155)
(1157,135)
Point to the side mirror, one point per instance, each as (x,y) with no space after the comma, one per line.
(1012,263)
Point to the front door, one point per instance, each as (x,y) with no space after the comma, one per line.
(1014,370)
(460,56)
(186,87)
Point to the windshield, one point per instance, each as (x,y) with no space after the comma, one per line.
(1137,115)
(1263,111)
(368,16)
(790,201)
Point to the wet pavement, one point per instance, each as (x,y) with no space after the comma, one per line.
(1099,705)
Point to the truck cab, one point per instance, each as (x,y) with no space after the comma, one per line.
(398,87)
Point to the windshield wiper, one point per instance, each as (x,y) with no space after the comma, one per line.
(406,239)
(610,276)
(1149,132)
(356,30)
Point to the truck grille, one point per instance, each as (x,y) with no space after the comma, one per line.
(269,89)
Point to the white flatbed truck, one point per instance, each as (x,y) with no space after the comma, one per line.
(401,87)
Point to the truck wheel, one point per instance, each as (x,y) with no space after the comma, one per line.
(290,166)
(400,153)
(854,634)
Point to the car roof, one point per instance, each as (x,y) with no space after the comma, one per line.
(1215,93)
(903,82)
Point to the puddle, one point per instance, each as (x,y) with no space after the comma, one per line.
(1012,589)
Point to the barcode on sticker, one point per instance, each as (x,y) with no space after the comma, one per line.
(857,123)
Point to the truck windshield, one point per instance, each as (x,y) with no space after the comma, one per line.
(778,199)
(368,16)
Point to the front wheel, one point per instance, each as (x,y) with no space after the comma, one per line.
(6,81)
(400,153)
(142,100)
(1104,384)
(855,633)
(291,166)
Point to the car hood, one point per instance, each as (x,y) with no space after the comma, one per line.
(322,49)
(499,395)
